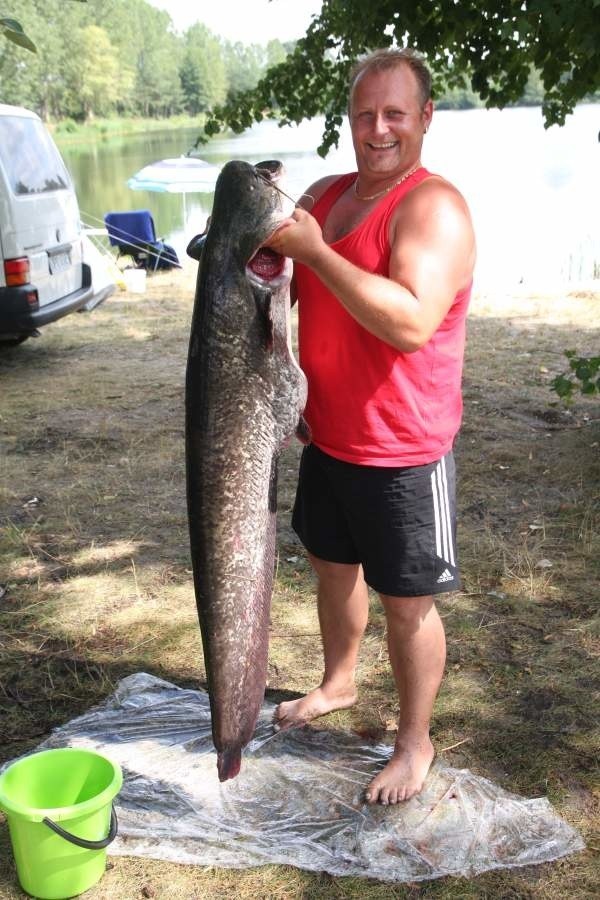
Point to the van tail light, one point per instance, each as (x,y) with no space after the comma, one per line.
(16,271)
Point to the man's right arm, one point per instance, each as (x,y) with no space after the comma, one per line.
(307,201)
(406,308)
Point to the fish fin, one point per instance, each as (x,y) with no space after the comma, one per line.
(303,432)
(195,246)
(273,486)
(265,314)
(229,763)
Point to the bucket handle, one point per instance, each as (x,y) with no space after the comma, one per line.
(82,842)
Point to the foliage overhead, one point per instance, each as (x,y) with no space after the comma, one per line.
(490,46)
(497,53)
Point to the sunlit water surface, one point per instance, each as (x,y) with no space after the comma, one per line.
(534,193)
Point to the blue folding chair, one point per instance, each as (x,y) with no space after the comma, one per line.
(134,235)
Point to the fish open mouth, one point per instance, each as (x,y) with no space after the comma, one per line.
(270,169)
(266,264)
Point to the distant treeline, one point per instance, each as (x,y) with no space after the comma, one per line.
(107,57)
(122,57)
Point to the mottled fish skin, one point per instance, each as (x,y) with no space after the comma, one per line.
(244,398)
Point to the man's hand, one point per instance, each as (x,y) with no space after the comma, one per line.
(298,237)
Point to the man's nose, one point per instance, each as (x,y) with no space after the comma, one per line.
(380,125)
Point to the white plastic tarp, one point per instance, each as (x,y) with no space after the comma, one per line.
(298,799)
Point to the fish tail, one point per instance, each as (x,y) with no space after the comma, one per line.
(229,763)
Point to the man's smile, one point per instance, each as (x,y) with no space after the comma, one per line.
(387,146)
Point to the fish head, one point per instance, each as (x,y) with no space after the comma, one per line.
(248,206)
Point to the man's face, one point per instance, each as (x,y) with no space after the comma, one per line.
(388,122)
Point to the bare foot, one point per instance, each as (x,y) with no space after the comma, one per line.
(404,775)
(294,713)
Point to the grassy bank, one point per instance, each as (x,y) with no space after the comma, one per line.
(94,554)
(69,133)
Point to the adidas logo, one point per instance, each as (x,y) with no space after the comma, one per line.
(445,576)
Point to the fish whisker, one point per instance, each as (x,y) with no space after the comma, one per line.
(273,185)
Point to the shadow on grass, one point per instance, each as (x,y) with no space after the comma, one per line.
(518,698)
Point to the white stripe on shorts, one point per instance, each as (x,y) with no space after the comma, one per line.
(441,509)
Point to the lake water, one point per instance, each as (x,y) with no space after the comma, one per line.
(534,193)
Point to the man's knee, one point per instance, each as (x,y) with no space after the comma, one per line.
(407,612)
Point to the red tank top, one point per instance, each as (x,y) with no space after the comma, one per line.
(369,403)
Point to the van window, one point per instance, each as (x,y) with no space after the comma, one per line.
(29,157)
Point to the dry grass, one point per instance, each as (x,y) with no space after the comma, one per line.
(97,569)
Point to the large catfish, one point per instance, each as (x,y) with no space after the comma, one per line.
(244,397)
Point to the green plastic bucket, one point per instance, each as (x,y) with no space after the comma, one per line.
(72,787)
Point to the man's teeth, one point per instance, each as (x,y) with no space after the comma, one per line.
(384,146)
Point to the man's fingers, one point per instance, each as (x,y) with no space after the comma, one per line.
(274,236)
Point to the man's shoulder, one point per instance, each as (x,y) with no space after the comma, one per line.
(434,216)
(436,189)
(432,195)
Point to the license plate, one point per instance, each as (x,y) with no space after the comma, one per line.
(59,262)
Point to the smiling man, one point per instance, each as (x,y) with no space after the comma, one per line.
(383,271)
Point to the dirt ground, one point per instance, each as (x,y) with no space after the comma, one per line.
(96,582)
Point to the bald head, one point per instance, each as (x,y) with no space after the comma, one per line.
(384,60)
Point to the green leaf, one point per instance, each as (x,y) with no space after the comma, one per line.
(584,370)
(17,35)
(562,386)
(11,25)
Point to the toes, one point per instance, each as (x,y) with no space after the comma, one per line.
(387,795)
(282,718)
(377,793)
(397,783)
(384,796)
(372,793)
(282,724)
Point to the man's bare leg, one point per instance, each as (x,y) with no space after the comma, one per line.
(417,649)
(343,607)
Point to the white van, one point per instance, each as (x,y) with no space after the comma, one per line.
(42,273)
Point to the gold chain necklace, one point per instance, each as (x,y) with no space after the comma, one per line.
(387,189)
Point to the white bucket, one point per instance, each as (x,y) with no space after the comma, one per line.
(135,280)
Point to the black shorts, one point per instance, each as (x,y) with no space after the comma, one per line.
(400,523)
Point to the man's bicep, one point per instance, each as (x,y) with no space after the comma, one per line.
(434,261)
